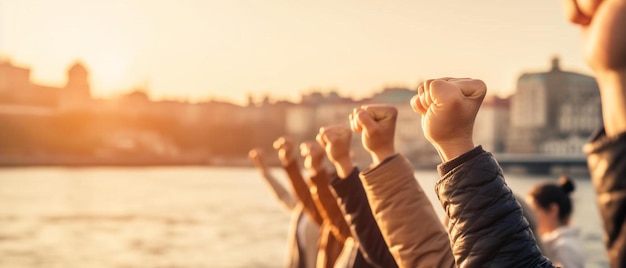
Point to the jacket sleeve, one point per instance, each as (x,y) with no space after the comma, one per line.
(407,220)
(353,201)
(279,190)
(301,188)
(486,225)
(327,204)
(606,157)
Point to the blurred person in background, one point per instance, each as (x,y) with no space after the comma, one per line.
(553,207)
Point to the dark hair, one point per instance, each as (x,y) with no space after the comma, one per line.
(548,193)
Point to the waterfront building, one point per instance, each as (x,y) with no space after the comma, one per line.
(553,112)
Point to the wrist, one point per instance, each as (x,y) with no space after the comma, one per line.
(315,170)
(286,161)
(452,149)
(379,156)
(343,167)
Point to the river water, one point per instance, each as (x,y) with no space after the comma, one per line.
(176,217)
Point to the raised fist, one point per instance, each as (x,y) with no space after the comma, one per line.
(449,107)
(313,154)
(256,156)
(377,125)
(603,23)
(336,142)
(285,148)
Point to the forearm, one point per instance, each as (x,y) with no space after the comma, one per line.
(449,150)
(486,225)
(358,214)
(613,95)
(327,202)
(343,166)
(405,216)
(329,247)
(301,189)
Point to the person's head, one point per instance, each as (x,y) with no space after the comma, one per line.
(552,204)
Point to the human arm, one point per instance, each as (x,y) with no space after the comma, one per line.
(352,198)
(404,214)
(257,157)
(606,160)
(486,225)
(323,198)
(285,149)
(602,23)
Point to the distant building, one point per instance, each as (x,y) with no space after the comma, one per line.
(553,112)
(76,94)
(16,88)
(410,139)
(316,110)
(409,135)
(492,123)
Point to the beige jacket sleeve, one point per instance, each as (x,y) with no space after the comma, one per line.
(405,216)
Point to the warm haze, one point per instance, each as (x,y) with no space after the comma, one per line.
(227,49)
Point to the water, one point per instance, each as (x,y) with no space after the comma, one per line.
(175,217)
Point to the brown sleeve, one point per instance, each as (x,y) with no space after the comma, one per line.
(329,248)
(327,204)
(407,220)
(606,157)
(301,189)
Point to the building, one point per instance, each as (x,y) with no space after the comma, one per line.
(76,94)
(492,123)
(409,136)
(316,110)
(553,112)
(16,88)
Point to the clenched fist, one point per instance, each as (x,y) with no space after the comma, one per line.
(603,23)
(336,142)
(449,107)
(257,157)
(285,148)
(313,154)
(377,125)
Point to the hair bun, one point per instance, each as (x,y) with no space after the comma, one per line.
(566,184)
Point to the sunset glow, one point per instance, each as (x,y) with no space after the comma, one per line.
(227,49)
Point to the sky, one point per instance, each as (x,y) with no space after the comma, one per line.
(228,49)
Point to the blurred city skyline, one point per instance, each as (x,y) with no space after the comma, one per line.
(227,50)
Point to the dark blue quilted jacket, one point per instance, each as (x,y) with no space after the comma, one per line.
(486,225)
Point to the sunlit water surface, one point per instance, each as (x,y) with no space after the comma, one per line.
(176,217)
